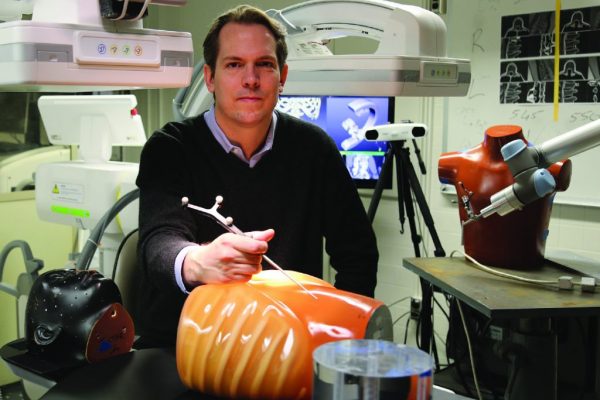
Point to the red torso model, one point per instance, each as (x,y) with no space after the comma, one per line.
(516,240)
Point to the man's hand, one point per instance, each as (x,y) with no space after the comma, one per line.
(228,258)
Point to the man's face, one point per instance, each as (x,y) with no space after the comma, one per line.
(246,81)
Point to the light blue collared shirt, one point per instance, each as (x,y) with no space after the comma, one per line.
(229,147)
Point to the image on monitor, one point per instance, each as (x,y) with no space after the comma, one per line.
(346,119)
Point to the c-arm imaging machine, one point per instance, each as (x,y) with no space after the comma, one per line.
(89,45)
(410,59)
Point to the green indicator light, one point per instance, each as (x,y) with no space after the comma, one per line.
(364,153)
(76,212)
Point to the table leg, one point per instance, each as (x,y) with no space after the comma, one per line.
(426,316)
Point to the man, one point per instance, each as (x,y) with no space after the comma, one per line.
(280,177)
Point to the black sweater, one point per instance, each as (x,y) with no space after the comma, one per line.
(301,188)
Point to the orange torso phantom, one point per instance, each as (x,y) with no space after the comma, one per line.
(256,339)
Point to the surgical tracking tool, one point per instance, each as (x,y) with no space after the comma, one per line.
(227,223)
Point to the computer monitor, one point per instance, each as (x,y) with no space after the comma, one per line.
(346,119)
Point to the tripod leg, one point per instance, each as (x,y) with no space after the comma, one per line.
(422,203)
(404,196)
(386,169)
(427,290)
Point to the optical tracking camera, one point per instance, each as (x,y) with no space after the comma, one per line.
(400,131)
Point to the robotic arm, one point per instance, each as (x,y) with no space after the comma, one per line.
(528,167)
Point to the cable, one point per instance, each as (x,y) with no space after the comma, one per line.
(462,318)
(516,360)
(121,245)
(418,329)
(123,10)
(444,342)
(142,11)
(432,348)
(438,335)
(433,345)
(458,353)
(500,273)
(400,317)
(87,253)
(461,376)
(406,330)
(397,301)
(553,283)
(434,351)
(441,308)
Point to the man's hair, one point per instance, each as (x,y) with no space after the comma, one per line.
(248,15)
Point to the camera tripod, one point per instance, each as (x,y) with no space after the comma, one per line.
(408,185)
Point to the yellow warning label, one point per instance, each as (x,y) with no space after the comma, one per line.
(55,189)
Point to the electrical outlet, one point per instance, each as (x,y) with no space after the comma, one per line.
(415,308)
(496,333)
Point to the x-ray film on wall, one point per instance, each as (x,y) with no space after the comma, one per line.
(528,43)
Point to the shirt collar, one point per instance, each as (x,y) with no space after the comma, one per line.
(220,137)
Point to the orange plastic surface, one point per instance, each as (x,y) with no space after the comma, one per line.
(516,240)
(256,339)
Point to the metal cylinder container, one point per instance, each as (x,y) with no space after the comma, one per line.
(366,369)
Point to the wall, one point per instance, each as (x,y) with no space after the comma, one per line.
(49,242)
